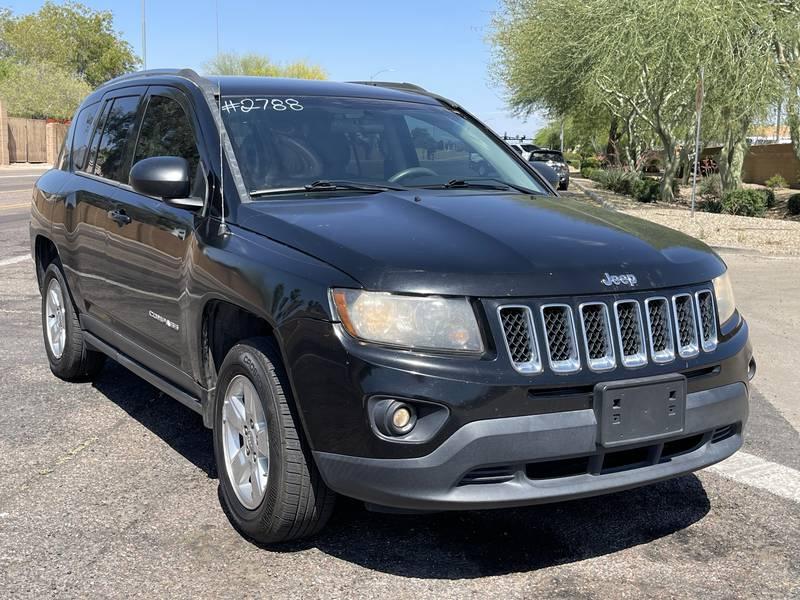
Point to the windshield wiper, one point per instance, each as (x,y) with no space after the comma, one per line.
(475,183)
(330,185)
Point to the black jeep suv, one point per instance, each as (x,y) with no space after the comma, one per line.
(318,270)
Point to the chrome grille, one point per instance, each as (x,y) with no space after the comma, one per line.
(560,340)
(708,321)
(659,328)
(685,325)
(631,333)
(597,336)
(520,338)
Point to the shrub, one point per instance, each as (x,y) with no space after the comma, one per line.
(596,174)
(590,161)
(793,205)
(711,186)
(647,189)
(711,205)
(769,196)
(748,203)
(573,159)
(591,172)
(776,181)
(620,181)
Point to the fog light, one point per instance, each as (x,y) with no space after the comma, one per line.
(401,418)
(395,418)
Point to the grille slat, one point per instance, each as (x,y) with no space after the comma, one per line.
(707,320)
(597,336)
(560,339)
(685,325)
(630,332)
(520,337)
(662,347)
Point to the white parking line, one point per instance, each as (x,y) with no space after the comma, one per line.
(14,260)
(759,473)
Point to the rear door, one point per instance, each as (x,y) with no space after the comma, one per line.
(149,248)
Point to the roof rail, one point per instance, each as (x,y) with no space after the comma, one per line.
(395,85)
(189,74)
(413,88)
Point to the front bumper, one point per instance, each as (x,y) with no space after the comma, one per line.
(541,458)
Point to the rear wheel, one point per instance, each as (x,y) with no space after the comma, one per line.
(269,484)
(69,357)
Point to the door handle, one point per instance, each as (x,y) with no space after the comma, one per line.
(119,217)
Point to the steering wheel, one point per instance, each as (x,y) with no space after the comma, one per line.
(412,172)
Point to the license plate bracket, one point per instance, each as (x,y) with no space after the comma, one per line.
(640,410)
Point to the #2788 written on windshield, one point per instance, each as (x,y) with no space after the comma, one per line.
(245,105)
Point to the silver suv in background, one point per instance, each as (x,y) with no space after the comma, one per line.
(555,160)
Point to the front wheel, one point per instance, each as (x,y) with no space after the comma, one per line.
(268,481)
(69,357)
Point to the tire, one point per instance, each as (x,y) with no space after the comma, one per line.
(295,503)
(69,357)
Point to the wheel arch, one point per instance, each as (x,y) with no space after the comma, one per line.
(45,252)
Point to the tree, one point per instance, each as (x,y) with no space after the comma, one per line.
(42,90)
(785,38)
(640,59)
(71,37)
(228,63)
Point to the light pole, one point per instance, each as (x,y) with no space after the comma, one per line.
(144,37)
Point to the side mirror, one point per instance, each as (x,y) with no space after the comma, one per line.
(165,177)
(548,173)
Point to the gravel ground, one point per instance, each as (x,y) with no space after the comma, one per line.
(767,236)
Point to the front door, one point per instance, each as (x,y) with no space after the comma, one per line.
(151,243)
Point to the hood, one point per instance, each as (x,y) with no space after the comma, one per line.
(482,244)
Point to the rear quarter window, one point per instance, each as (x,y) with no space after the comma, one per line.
(81,132)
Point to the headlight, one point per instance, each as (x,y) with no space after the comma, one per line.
(723,290)
(419,322)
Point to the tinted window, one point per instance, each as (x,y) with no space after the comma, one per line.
(545,156)
(111,149)
(81,130)
(166,131)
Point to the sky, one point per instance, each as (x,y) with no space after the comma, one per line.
(438,44)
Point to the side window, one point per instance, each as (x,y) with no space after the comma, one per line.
(109,162)
(167,131)
(81,130)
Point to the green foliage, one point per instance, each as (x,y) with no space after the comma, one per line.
(711,205)
(793,205)
(711,186)
(592,173)
(260,65)
(769,197)
(776,181)
(70,37)
(748,203)
(43,90)
(647,189)
(573,159)
(638,60)
(588,164)
(619,181)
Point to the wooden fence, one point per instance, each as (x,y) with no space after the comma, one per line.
(29,140)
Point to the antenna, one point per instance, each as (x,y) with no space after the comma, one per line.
(223,226)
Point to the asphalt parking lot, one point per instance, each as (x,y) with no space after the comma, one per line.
(109,489)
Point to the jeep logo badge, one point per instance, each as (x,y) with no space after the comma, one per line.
(622,279)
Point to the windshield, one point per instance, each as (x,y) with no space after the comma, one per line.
(286,143)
